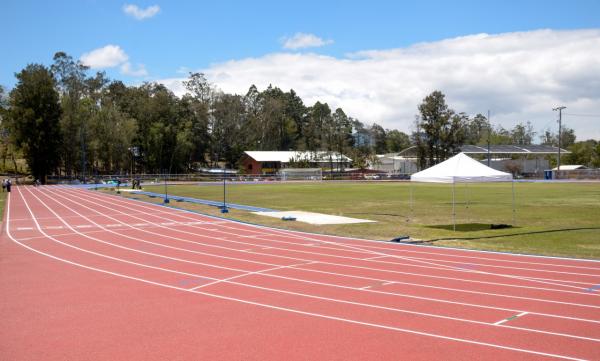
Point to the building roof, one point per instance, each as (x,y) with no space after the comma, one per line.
(536,149)
(286,156)
(570,167)
(512,149)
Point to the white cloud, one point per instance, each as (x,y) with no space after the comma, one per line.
(302,40)
(139,13)
(105,57)
(127,69)
(518,76)
(111,56)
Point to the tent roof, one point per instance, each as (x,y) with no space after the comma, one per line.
(460,169)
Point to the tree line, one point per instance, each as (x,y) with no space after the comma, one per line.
(65,121)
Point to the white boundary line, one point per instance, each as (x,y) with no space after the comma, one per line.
(441,266)
(560,283)
(509,254)
(333,285)
(307,260)
(282,308)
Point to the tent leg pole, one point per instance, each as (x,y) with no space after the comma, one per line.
(513,205)
(453,208)
(411,215)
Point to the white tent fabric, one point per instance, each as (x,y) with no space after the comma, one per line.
(460,169)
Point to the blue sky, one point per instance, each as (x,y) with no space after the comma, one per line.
(211,35)
(196,34)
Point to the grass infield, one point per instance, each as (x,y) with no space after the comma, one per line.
(558,219)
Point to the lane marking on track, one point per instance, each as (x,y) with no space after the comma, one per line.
(387,283)
(593,288)
(297,311)
(372,258)
(227,280)
(24,228)
(510,318)
(293,235)
(299,259)
(324,298)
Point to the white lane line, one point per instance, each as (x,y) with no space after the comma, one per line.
(388,283)
(292,235)
(400,295)
(54,227)
(436,266)
(306,260)
(24,228)
(372,258)
(372,243)
(248,274)
(283,308)
(510,318)
(83,226)
(342,301)
(364,288)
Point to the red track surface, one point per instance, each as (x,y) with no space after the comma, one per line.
(85,275)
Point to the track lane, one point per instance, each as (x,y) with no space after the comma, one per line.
(187,216)
(582,294)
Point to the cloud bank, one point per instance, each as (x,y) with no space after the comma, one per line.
(111,56)
(302,40)
(139,13)
(518,76)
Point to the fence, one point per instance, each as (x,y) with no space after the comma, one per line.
(230,177)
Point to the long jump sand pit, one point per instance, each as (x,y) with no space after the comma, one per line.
(314,218)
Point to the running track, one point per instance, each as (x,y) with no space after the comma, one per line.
(86,275)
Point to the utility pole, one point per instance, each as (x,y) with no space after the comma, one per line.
(488,140)
(559,136)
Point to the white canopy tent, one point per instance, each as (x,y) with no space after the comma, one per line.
(462,169)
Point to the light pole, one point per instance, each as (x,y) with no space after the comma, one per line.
(224,209)
(560,108)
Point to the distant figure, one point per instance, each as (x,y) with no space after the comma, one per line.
(8,184)
(37,183)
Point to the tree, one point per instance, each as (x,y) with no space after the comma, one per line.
(34,119)
(379,137)
(71,83)
(439,130)
(396,140)
(567,137)
(522,134)
(585,153)
(477,130)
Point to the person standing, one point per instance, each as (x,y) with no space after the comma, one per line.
(8,184)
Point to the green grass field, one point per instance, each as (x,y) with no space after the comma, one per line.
(561,219)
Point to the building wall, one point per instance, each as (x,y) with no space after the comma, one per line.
(251,166)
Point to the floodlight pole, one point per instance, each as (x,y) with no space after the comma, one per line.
(559,136)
